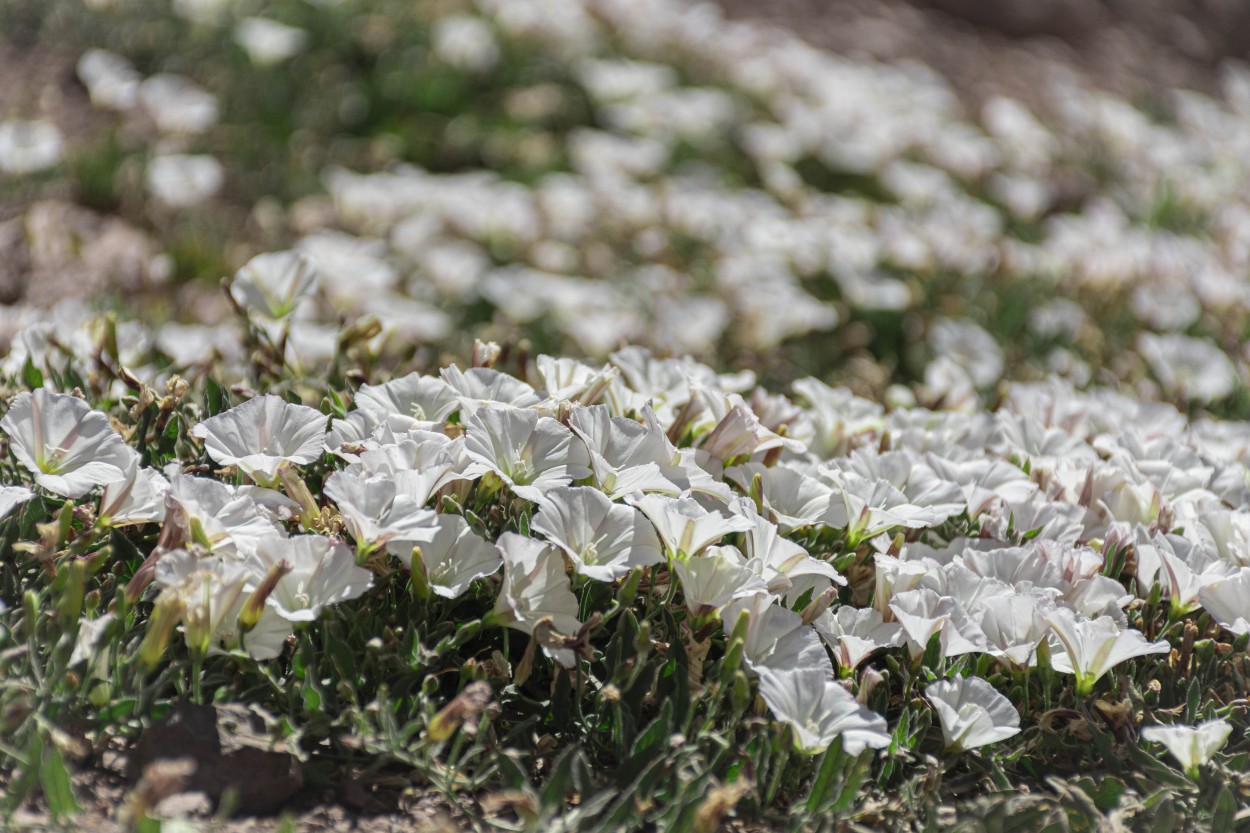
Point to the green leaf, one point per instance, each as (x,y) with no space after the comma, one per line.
(57,788)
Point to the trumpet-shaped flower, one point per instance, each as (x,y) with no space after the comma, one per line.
(685,527)
(530,453)
(855,633)
(775,637)
(972,713)
(1014,624)
(375,511)
(321,573)
(271,286)
(1191,746)
(820,711)
(263,435)
(604,540)
(137,499)
(1228,601)
(1092,647)
(12,497)
(425,401)
(866,508)
(923,613)
(626,456)
(791,496)
(716,578)
(69,447)
(221,519)
(481,387)
(453,557)
(536,587)
(785,565)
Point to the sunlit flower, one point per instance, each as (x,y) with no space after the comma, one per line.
(1228,601)
(854,633)
(684,526)
(426,401)
(536,587)
(272,285)
(1191,746)
(69,447)
(268,42)
(139,498)
(177,104)
(453,556)
(219,518)
(1092,647)
(29,146)
(604,540)
(321,573)
(531,454)
(820,711)
(716,578)
(184,180)
(12,497)
(263,435)
(376,512)
(775,637)
(972,713)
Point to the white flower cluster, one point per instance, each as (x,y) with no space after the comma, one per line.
(1010,518)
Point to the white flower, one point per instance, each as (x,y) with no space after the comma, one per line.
(184,180)
(453,557)
(263,435)
(219,518)
(716,578)
(530,453)
(855,633)
(1014,624)
(177,104)
(29,146)
(1092,647)
(12,497)
(1193,368)
(422,467)
(626,456)
(775,637)
(821,711)
(268,42)
(792,496)
(923,613)
(481,387)
(604,540)
(536,587)
(465,42)
(1228,601)
(137,499)
(110,79)
(322,573)
(272,285)
(785,565)
(1191,746)
(686,527)
(972,712)
(865,508)
(426,401)
(376,512)
(69,447)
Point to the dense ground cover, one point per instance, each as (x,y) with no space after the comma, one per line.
(943,525)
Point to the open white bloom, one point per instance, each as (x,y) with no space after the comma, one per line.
(716,578)
(482,387)
(776,637)
(322,573)
(69,447)
(855,633)
(532,454)
(110,79)
(137,499)
(1228,601)
(182,180)
(272,285)
(604,540)
(12,497)
(221,519)
(426,401)
(972,713)
(268,42)
(866,508)
(465,42)
(1191,746)
(791,495)
(1092,647)
(1014,624)
(422,465)
(626,456)
(214,592)
(536,587)
(923,613)
(453,557)
(1180,568)
(785,565)
(820,711)
(376,512)
(263,435)
(685,527)
(29,146)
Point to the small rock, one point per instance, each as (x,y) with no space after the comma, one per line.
(232,751)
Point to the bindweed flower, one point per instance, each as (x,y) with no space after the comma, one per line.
(775,637)
(221,519)
(1014,624)
(452,558)
(529,453)
(1228,601)
(685,527)
(626,456)
(1092,647)
(12,497)
(137,499)
(821,711)
(322,573)
(972,713)
(923,613)
(604,540)
(262,435)
(853,634)
(1191,746)
(271,286)
(375,512)
(183,180)
(69,447)
(268,42)
(536,587)
(29,146)
(425,401)
(714,579)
